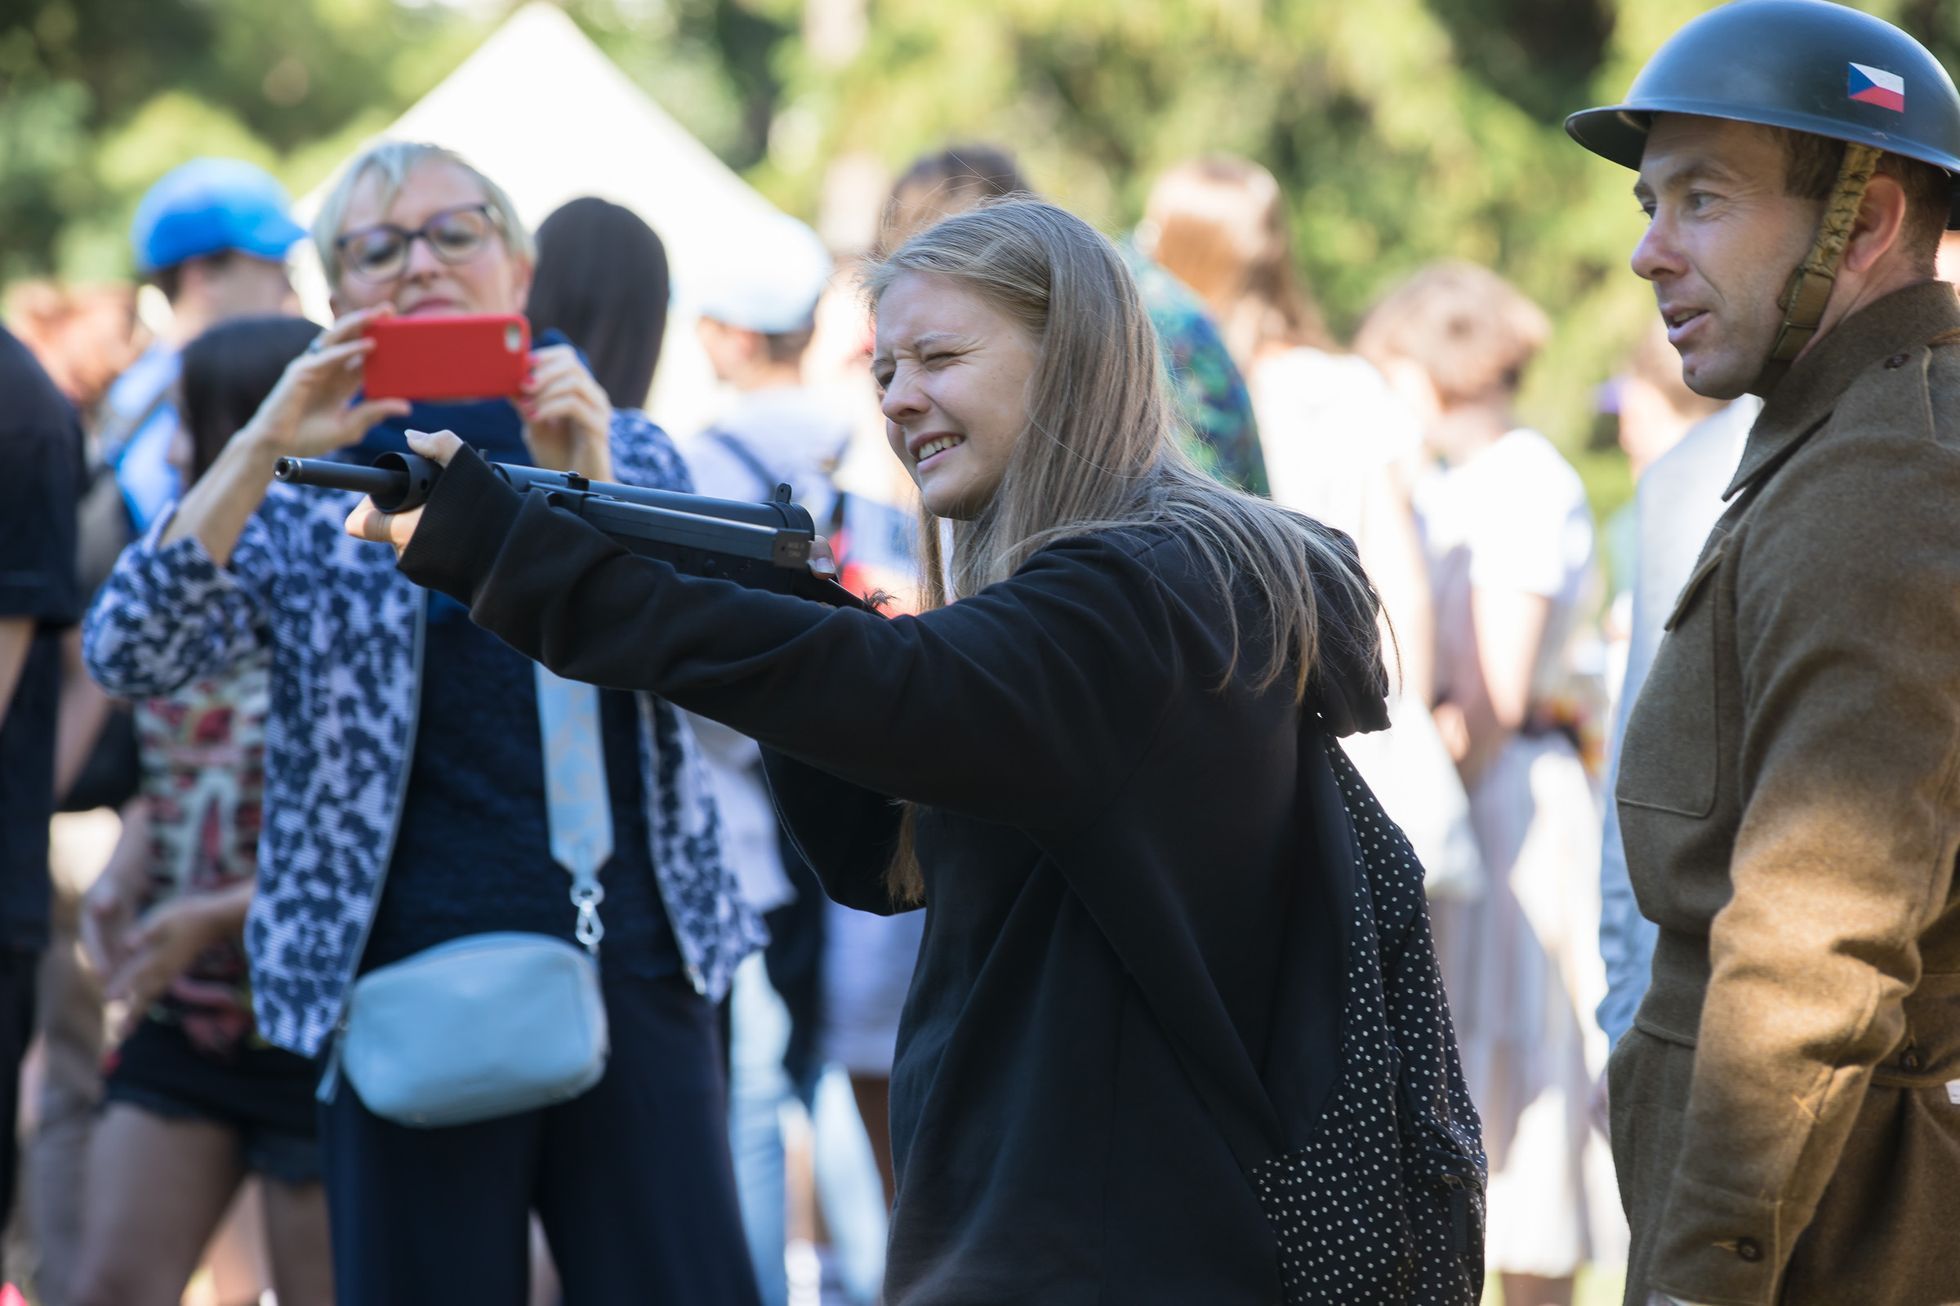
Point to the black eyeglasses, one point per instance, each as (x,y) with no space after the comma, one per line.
(380,252)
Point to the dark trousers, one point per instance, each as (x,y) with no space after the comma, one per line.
(17,971)
(632,1182)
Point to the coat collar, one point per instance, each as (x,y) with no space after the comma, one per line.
(1903,320)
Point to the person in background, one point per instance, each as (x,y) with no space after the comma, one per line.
(756,327)
(1683,449)
(865,960)
(602,281)
(1340,447)
(1651,411)
(212,235)
(40,486)
(83,336)
(192,1091)
(755,321)
(1511,539)
(1219,430)
(405,810)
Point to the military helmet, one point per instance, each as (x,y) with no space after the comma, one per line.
(1805,65)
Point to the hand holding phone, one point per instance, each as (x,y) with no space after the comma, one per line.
(567,417)
(483,356)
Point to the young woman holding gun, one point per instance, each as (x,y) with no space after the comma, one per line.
(1092,736)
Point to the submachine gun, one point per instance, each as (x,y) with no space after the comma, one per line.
(763,545)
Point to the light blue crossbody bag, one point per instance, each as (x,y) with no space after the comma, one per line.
(495,1024)
(483,1026)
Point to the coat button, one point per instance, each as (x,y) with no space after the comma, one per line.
(1749,1249)
(1896,361)
(1910,1060)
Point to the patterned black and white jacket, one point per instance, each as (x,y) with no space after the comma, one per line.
(345,630)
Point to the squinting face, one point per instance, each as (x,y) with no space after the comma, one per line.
(1721,241)
(954,372)
(490,280)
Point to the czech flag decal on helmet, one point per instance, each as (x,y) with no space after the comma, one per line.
(1870,85)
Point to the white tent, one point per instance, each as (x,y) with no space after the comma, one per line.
(541,109)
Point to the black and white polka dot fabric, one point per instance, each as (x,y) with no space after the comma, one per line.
(1385,1202)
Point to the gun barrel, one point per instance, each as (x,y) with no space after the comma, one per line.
(396,481)
(338,476)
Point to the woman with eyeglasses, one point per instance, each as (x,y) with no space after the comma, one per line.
(405,811)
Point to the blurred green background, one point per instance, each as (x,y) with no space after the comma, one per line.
(1402,130)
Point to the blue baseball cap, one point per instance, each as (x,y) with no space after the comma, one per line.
(210,205)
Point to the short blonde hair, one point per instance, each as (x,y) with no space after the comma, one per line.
(1472,331)
(393,161)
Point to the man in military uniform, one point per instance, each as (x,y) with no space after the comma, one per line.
(1786,1111)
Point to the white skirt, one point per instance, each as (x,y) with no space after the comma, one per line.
(1522,967)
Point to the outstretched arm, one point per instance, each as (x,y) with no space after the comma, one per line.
(1027,703)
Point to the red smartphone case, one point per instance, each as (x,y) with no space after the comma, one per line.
(463,357)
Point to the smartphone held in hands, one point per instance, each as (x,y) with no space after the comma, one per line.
(461,357)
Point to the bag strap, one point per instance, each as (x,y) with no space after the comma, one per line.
(746,456)
(111,439)
(766,477)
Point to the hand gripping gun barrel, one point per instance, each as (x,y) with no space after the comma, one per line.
(764,545)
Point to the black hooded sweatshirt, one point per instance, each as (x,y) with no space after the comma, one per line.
(1076,734)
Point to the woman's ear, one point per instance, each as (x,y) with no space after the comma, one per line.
(1880,225)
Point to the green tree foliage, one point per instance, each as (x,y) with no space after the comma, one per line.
(1401,130)
(98,98)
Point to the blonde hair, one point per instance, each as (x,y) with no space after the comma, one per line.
(1098,454)
(1470,330)
(393,161)
(1218,224)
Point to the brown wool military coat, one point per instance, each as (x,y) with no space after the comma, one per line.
(1786,1112)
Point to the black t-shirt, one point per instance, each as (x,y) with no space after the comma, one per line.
(40,480)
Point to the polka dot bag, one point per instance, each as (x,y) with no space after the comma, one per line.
(1383,1202)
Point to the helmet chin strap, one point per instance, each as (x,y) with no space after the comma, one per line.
(1811,284)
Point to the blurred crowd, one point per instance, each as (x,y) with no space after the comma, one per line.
(174,1011)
